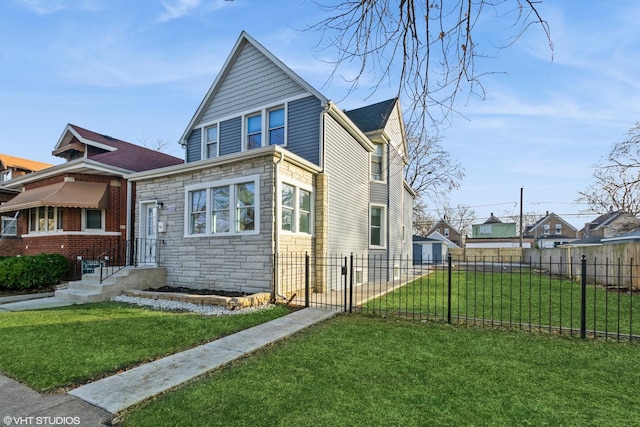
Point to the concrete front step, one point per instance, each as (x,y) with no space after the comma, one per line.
(79,295)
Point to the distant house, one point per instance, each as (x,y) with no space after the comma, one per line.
(14,167)
(493,233)
(82,203)
(550,231)
(611,224)
(274,167)
(447,230)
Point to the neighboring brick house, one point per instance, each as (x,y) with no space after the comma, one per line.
(611,224)
(80,204)
(447,230)
(550,231)
(274,167)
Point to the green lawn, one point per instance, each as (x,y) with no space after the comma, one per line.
(48,349)
(362,371)
(520,298)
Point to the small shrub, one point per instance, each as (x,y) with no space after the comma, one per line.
(32,272)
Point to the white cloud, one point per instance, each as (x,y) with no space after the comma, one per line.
(177,9)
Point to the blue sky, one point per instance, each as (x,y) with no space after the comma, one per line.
(137,70)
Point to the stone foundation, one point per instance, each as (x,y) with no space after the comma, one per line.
(254,300)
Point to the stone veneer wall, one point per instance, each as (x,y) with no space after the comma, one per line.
(240,262)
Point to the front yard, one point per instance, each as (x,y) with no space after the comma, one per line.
(64,347)
(361,371)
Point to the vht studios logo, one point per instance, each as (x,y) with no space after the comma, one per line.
(40,421)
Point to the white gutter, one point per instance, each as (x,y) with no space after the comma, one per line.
(276,227)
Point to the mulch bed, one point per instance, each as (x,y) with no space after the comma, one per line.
(184,290)
(13,292)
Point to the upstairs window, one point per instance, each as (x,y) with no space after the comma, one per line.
(377,162)
(545,229)
(254,131)
(485,229)
(5,175)
(558,228)
(211,142)
(276,126)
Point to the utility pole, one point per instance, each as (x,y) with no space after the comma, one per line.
(521,229)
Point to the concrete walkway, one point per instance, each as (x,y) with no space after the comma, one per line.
(113,394)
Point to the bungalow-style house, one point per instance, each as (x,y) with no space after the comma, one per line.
(551,231)
(610,224)
(81,204)
(274,167)
(493,233)
(447,230)
(13,167)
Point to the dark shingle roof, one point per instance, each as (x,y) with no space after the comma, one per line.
(372,117)
(127,156)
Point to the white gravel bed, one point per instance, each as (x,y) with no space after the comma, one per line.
(207,310)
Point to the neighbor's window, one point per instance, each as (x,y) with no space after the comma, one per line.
(376,234)
(9,226)
(276,126)
(93,219)
(545,229)
(485,229)
(5,175)
(211,142)
(45,219)
(218,209)
(558,228)
(376,163)
(254,131)
(296,209)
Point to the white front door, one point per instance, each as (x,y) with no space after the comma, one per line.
(147,247)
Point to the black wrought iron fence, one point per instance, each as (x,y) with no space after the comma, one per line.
(586,298)
(107,258)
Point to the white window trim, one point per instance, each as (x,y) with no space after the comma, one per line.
(5,175)
(383,227)
(383,166)
(297,186)
(264,114)
(36,230)
(102,221)
(255,179)
(9,219)
(204,140)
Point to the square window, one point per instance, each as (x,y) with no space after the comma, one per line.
(9,226)
(93,219)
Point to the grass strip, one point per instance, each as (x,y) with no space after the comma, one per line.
(48,349)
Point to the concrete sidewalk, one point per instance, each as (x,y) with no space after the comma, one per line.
(118,392)
(34,304)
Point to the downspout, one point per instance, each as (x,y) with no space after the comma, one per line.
(276,227)
(128,226)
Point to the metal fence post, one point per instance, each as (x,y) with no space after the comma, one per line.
(583,299)
(351,284)
(306,279)
(449,289)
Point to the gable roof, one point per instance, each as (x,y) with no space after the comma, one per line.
(115,152)
(546,219)
(493,220)
(604,220)
(442,221)
(7,162)
(240,43)
(372,117)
